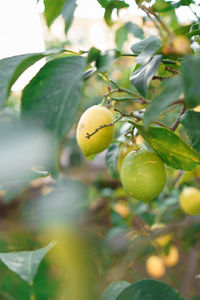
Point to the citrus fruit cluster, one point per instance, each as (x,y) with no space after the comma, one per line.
(142,172)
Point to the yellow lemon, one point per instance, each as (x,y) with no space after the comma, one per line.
(172,258)
(122,208)
(155,266)
(181,45)
(91,119)
(189,200)
(143,175)
(164,239)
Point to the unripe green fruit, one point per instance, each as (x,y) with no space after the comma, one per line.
(91,119)
(143,175)
(190,201)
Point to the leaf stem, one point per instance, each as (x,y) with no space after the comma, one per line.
(176,123)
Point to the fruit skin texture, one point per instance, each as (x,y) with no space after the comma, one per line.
(143,175)
(91,119)
(161,240)
(123,151)
(172,258)
(155,266)
(189,201)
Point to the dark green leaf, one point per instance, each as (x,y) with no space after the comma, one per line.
(53,96)
(5,296)
(108,15)
(25,263)
(135,30)
(68,13)
(112,159)
(170,147)
(116,3)
(103,61)
(12,67)
(113,290)
(191,122)
(191,71)
(141,77)
(147,53)
(93,54)
(171,89)
(52,10)
(121,36)
(149,289)
(139,47)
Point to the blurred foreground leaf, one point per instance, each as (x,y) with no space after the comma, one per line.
(112,159)
(25,263)
(113,290)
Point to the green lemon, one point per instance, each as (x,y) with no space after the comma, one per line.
(189,200)
(143,175)
(125,148)
(91,119)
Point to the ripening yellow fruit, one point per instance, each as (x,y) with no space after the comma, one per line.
(155,266)
(181,45)
(91,119)
(172,258)
(197,108)
(122,208)
(143,175)
(189,201)
(125,148)
(161,240)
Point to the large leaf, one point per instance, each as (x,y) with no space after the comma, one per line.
(191,121)
(170,147)
(191,71)
(114,289)
(12,67)
(25,263)
(171,89)
(68,13)
(138,47)
(141,77)
(52,10)
(112,159)
(149,289)
(53,96)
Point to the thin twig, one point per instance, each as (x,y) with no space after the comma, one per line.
(159,78)
(176,123)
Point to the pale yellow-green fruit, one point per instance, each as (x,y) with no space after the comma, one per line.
(125,148)
(181,45)
(91,119)
(143,175)
(172,258)
(122,208)
(189,201)
(161,240)
(155,266)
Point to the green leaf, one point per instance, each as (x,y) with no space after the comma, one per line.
(137,48)
(5,296)
(191,122)
(191,71)
(121,36)
(170,147)
(135,30)
(52,10)
(25,263)
(116,3)
(68,13)
(104,60)
(12,67)
(149,289)
(93,54)
(147,53)
(114,289)
(142,76)
(112,159)
(53,96)
(171,89)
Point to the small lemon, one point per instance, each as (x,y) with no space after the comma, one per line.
(189,200)
(155,266)
(181,45)
(172,258)
(143,175)
(91,119)
(164,239)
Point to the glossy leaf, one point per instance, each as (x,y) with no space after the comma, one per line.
(147,53)
(53,96)
(170,147)
(25,263)
(171,89)
(191,71)
(149,289)
(138,47)
(12,67)
(142,76)
(112,159)
(114,289)
(52,10)
(191,122)
(68,13)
